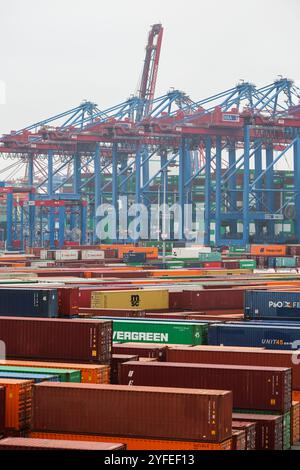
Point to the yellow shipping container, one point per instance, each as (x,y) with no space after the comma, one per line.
(131,299)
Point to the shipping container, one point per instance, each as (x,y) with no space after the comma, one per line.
(23,443)
(90,373)
(64,255)
(155,351)
(268,250)
(163,332)
(64,375)
(265,335)
(117,360)
(250,430)
(28,302)
(68,301)
(269,430)
(140,443)
(261,388)
(131,299)
(18,394)
(91,254)
(285,262)
(211,299)
(247,264)
(270,304)
(132,257)
(238,440)
(2,409)
(295,422)
(36,378)
(238,356)
(57,339)
(213,256)
(185,414)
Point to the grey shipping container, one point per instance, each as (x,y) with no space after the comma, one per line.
(28,303)
(187,414)
(271,304)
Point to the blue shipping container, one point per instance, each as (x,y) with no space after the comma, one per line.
(263,335)
(22,302)
(28,376)
(268,305)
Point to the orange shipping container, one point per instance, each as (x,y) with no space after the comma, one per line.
(137,443)
(18,395)
(98,374)
(296,395)
(268,250)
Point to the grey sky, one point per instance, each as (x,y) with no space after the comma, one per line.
(55,53)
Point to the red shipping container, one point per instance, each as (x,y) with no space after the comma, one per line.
(202,415)
(256,388)
(238,440)
(212,264)
(250,430)
(57,339)
(68,301)
(116,360)
(269,430)
(154,351)
(213,299)
(237,356)
(231,264)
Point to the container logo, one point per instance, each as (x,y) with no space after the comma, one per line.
(135,300)
(283,304)
(278,342)
(140,336)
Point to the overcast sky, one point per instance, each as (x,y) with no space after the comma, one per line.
(55,53)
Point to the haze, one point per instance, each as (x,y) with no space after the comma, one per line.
(56,53)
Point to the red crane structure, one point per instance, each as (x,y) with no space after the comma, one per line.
(150,70)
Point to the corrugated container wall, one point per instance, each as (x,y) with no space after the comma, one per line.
(56,339)
(186,414)
(261,388)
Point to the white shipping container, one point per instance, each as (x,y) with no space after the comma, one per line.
(64,255)
(92,254)
(190,252)
(43,254)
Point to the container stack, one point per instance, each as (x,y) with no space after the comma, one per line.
(211,334)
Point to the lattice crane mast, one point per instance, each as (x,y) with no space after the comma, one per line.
(150,70)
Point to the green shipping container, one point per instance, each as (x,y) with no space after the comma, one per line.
(145,331)
(214,256)
(284,262)
(237,249)
(65,375)
(247,264)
